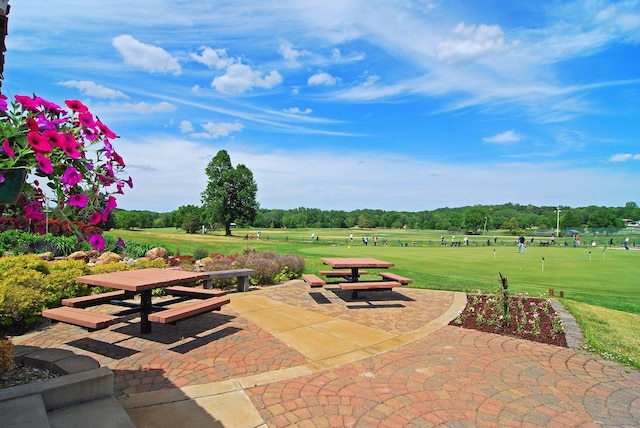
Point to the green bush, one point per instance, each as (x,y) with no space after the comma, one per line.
(19,306)
(200,253)
(17,242)
(61,282)
(27,261)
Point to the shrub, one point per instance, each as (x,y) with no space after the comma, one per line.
(61,282)
(6,356)
(156,263)
(19,306)
(28,261)
(200,253)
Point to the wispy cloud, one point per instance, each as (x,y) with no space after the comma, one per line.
(507,137)
(93,89)
(147,57)
(623,157)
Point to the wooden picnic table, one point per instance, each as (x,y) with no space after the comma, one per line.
(143,281)
(355,264)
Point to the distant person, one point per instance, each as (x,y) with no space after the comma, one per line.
(495,240)
(521,242)
(626,244)
(313,237)
(553,239)
(466,241)
(375,241)
(442,240)
(351,237)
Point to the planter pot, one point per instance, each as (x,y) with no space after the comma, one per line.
(11,188)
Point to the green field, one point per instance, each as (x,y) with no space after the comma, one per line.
(601,285)
(592,275)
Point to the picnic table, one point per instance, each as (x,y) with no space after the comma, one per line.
(355,264)
(143,282)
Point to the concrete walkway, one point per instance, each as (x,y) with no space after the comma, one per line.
(294,356)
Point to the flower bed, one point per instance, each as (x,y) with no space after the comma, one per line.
(522,316)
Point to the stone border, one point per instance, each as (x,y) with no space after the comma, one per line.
(81,380)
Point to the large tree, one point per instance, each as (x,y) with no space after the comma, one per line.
(230,195)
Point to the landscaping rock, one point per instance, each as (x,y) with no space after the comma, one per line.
(157,253)
(108,257)
(79,255)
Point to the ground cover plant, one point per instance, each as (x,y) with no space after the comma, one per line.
(605,278)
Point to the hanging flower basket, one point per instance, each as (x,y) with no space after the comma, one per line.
(11,182)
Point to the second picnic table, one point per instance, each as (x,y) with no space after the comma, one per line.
(355,264)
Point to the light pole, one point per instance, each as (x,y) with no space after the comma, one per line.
(485,226)
(558,222)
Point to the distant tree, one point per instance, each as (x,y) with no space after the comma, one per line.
(604,218)
(474,219)
(184,216)
(568,220)
(511,224)
(230,195)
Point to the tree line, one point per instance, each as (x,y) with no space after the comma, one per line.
(470,219)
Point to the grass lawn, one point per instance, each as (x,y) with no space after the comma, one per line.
(589,276)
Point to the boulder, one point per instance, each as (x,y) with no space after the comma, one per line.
(47,256)
(157,253)
(108,257)
(78,255)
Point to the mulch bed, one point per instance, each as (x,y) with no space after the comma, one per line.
(528,320)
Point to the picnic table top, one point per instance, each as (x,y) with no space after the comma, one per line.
(142,279)
(355,262)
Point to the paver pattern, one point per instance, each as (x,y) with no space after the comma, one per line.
(450,377)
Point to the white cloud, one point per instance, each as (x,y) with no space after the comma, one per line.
(240,78)
(470,42)
(215,130)
(214,58)
(145,108)
(297,110)
(322,78)
(290,54)
(186,126)
(623,157)
(92,89)
(507,137)
(144,56)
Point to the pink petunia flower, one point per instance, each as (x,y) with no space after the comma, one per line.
(76,106)
(44,163)
(38,143)
(97,242)
(95,218)
(6,147)
(71,177)
(78,200)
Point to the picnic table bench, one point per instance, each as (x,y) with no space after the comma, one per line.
(313,280)
(173,315)
(355,287)
(97,299)
(340,273)
(395,277)
(241,274)
(197,293)
(92,321)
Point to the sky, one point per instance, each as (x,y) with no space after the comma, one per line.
(350,104)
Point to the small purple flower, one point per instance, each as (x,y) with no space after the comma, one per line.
(97,242)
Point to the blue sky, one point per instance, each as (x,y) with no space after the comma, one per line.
(348,104)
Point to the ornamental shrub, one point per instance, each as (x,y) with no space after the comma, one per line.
(19,306)
(61,282)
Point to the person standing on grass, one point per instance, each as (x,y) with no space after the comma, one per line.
(521,242)
(626,243)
